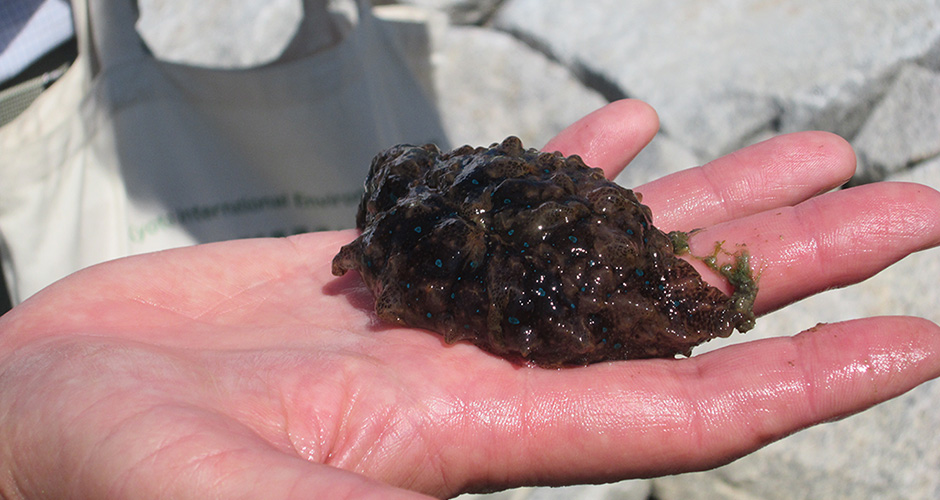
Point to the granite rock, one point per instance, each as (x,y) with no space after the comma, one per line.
(636,489)
(461,11)
(720,73)
(214,34)
(490,85)
(662,156)
(904,128)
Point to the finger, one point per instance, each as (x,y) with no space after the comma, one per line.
(833,240)
(778,172)
(825,373)
(639,419)
(610,137)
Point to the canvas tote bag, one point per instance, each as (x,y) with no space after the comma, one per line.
(129,154)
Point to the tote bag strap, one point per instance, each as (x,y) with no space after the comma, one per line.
(106,33)
(314,33)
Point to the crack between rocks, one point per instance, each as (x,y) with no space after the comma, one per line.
(589,78)
(487,18)
(598,82)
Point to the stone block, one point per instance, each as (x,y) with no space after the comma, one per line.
(719,73)
(904,128)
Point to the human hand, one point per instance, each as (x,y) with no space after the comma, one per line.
(245,369)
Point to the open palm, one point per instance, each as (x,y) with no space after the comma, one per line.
(245,369)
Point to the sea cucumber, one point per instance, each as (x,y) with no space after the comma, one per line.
(532,256)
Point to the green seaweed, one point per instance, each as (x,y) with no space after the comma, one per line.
(738,273)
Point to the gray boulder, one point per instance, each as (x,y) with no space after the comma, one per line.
(216,35)
(719,73)
(904,128)
(491,85)
(461,11)
(637,489)
(662,156)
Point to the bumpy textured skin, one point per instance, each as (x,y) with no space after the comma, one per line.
(532,256)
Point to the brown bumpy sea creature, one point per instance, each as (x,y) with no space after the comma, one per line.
(532,256)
